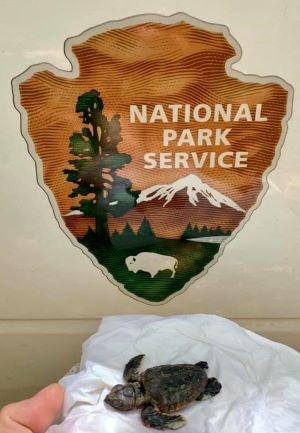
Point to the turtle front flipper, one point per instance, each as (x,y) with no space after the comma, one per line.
(132,369)
(161,421)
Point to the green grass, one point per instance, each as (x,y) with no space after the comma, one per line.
(192,258)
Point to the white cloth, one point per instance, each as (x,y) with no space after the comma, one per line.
(260,378)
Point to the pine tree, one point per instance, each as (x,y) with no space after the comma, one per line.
(218,231)
(145,231)
(115,237)
(204,231)
(127,233)
(97,163)
(187,232)
(195,232)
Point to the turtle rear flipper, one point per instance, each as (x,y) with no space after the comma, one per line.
(161,421)
(132,369)
(202,364)
(213,387)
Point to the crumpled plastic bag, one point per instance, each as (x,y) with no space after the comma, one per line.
(260,378)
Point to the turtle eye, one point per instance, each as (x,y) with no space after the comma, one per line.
(128,392)
(133,259)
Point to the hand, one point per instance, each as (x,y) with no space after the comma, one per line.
(34,415)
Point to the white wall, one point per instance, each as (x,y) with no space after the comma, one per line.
(43,276)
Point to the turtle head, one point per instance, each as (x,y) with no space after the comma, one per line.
(122,397)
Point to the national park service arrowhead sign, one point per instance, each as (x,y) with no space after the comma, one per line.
(153,151)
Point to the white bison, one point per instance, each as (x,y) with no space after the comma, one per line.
(151,263)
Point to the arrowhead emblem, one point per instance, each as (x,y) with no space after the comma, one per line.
(153,150)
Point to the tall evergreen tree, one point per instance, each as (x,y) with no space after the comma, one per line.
(97,164)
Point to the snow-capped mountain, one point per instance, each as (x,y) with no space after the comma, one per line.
(194,187)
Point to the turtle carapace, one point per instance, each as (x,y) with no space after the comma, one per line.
(160,391)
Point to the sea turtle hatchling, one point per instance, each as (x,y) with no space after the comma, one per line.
(162,390)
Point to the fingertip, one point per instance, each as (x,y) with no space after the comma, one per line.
(38,412)
(55,389)
(52,396)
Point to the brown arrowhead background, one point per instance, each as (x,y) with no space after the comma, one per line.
(155,64)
